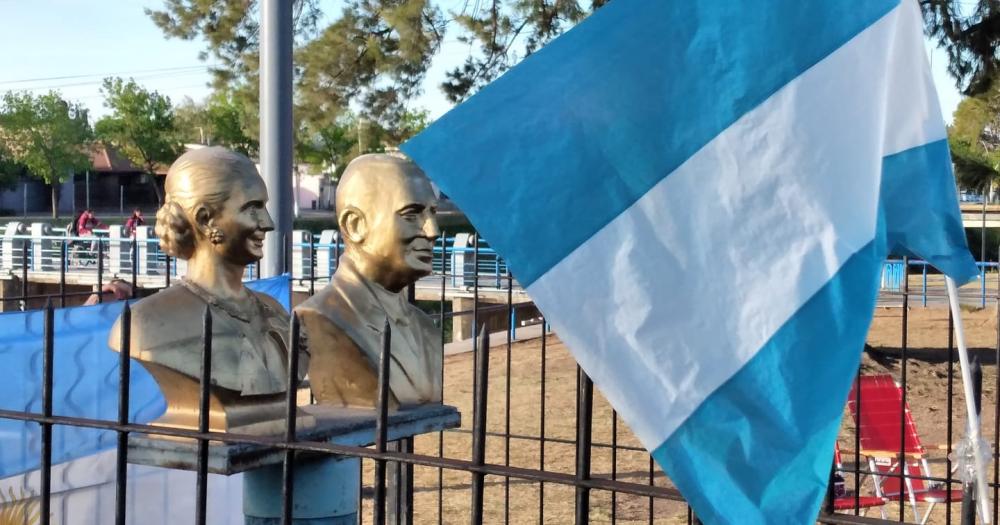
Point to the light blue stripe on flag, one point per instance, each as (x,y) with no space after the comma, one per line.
(579,131)
(85,379)
(918,199)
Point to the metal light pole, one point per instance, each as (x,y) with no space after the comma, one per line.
(276,129)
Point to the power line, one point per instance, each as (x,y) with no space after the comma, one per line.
(101,81)
(70,77)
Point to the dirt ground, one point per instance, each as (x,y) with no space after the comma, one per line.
(927,383)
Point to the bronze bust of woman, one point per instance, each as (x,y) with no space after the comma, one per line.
(214,217)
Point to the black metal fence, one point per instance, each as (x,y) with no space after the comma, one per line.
(541,446)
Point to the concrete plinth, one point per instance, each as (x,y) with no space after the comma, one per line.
(325,493)
(325,486)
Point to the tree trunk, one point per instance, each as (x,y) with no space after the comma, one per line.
(156,188)
(55,200)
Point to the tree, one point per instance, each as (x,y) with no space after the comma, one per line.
(141,126)
(969,31)
(222,120)
(10,170)
(373,54)
(974,138)
(46,135)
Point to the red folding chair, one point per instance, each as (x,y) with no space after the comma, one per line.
(897,468)
(847,500)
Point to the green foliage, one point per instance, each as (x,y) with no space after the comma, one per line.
(974,138)
(10,170)
(374,54)
(141,124)
(222,120)
(45,135)
(969,31)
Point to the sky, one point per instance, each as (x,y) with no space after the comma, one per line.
(71,45)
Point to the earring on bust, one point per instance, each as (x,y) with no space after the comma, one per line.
(215,236)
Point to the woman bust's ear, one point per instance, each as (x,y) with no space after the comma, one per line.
(203,220)
(353,225)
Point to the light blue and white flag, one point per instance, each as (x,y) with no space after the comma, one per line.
(699,196)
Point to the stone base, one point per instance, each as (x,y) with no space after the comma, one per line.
(325,492)
(342,426)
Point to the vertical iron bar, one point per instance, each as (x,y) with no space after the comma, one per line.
(288,472)
(48,351)
(857,443)
(444,284)
(167,263)
(24,276)
(982,255)
(923,291)
(650,515)
(948,403)
(996,416)
(100,269)
(381,423)
(336,253)
(312,265)
(541,430)
(481,350)
(475,303)
(124,378)
(584,423)
(201,504)
(614,466)
(830,490)
(902,398)
(506,417)
(361,490)
(135,264)
(62,275)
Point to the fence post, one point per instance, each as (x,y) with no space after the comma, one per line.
(924,290)
(982,284)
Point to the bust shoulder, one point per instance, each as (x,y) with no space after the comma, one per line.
(160,315)
(271,303)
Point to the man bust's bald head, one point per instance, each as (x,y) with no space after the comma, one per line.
(386,210)
(368,175)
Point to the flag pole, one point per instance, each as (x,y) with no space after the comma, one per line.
(982,496)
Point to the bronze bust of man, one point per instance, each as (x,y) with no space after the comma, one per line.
(214,217)
(386,210)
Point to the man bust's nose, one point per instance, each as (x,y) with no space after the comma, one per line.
(265,223)
(430,229)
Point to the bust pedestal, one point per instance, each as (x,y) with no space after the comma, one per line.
(326,486)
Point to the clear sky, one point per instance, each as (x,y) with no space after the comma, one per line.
(71,45)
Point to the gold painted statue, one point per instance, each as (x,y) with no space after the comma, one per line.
(386,210)
(214,217)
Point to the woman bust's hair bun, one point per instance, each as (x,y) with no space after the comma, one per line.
(175,231)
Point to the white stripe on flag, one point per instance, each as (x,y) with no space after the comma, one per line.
(797,178)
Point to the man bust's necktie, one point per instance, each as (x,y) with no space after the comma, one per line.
(386,212)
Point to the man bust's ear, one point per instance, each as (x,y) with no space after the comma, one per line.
(353,225)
